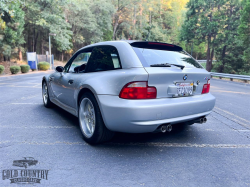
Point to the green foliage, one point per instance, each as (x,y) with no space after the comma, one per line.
(244,34)
(43,66)
(229,49)
(203,23)
(90,21)
(12,33)
(1,69)
(25,68)
(198,51)
(209,29)
(216,23)
(44,17)
(78,23)
(15,69)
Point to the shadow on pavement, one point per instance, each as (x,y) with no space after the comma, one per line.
(179,132)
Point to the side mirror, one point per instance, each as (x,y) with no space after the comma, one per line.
(59,69)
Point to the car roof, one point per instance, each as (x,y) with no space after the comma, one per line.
(128,57)
(134,42)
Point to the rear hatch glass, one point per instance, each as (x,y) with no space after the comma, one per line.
(151,53)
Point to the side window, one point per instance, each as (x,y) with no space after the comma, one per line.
(103,58)
(79,63)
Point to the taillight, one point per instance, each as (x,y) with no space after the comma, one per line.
(138,90)
(206,87)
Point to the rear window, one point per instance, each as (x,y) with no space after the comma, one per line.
(153,56)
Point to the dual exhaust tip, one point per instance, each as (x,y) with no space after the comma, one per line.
(166,128)
(169,128)
(201,120)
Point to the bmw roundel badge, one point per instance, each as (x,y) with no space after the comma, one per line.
(185,77)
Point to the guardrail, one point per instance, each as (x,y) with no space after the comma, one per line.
(200,61)
(231,76)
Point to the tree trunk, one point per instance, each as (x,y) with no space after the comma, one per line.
(28,43)
(211,58)
(141,18)
(42,46)
(40,42)
(115,20)
(115,28)
(20,54)
(209,62)
(35,42)
(34,38)
(62,56)
(150,18)
(222,58)
(134,23)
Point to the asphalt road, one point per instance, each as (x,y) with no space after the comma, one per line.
(216,153)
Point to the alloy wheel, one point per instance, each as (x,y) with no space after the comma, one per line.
(87,117)
(45,93)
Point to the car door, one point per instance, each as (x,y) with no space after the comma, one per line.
(54,85)
(71,77)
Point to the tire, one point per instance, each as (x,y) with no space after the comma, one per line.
(45,94)
(90,120)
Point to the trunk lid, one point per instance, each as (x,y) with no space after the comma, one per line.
(165,79)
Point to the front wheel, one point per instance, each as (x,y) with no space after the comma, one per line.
(90,119)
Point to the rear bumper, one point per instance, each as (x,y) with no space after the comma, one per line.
(139,116)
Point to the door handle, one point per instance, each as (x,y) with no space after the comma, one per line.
(71,81)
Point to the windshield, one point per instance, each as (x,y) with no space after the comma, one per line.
(152,56)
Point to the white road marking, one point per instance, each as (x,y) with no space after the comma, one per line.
(241,121)
(29,97)
(156,144)
(26,103)
(36,127)
(182,145)
(247,93)
(23,86)
(232,114)
(245,130)
(13,86)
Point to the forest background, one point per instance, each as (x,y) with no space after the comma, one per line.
(212,30)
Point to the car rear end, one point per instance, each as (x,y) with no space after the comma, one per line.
(176,90)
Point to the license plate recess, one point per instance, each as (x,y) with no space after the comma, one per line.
(184,88)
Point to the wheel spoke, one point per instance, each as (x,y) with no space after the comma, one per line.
(87,117)
(45,93)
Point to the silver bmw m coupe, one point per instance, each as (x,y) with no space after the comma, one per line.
(130,86)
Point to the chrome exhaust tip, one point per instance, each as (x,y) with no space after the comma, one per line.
(200,120)
(204,120)
(169,128)
(163,128)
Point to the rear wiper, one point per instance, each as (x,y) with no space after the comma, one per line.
(167,65)
(161,65)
